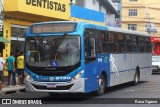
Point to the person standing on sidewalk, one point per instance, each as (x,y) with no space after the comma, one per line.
(11,70)
(2,62)
(20,68)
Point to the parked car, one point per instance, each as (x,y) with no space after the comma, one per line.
(156,64)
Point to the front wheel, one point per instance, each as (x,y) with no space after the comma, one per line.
(101,85)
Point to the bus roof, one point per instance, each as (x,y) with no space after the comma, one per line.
(112,29)
(127,31)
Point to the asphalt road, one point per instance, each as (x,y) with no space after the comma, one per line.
(147,91)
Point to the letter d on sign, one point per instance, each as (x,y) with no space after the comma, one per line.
(28,2)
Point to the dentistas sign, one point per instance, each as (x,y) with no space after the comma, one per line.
(47,4)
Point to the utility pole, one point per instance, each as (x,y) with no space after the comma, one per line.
(148,21)
(1,10)
(1,18)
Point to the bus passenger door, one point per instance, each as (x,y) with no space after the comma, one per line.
(90,62)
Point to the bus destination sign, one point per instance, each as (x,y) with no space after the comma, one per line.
(53,27)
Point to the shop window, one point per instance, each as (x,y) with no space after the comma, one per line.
(15,31)
(17,38)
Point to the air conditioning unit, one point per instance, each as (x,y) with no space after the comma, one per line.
(73,1)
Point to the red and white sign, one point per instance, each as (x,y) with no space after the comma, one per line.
(155,39)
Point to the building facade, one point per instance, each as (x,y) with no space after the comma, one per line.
(143,16)
(118,4)
(17,15)
(106,7)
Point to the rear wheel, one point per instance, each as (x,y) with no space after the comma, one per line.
(101,85)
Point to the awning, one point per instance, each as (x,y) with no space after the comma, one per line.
(2,39)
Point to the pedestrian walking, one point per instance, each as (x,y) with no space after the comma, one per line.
(2,62)
(11,70)
(16,55)
(20,68)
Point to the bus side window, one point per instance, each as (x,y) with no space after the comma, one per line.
(135,40)
(120,43)
(128,43)
(111,44)
(142,44)
(102,42)
(90,50)
(148,44)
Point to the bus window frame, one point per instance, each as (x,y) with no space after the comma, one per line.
(121,45)
(113,43)
(102,41)
(87,37)
(129,42)
(135,41)
(148,49)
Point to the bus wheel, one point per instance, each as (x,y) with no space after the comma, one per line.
(101,85)
(136,78)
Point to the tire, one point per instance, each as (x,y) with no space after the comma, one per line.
(136,78)
(101,85)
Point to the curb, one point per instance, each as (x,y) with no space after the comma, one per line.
(7,90)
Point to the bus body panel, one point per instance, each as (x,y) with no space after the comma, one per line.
(94,69)
(63,87)
(123,67)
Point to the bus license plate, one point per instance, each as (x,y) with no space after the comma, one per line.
(51,86)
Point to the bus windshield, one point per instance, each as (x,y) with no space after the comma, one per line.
(52,51)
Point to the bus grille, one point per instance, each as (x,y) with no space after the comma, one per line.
(56,88)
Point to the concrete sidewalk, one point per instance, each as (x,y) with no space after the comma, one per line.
(9,90)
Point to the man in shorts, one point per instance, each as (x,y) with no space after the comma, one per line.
(10,62)
(20,68)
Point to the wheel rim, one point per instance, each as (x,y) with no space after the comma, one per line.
(101,86)
(136,78)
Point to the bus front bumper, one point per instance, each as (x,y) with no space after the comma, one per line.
(58,87)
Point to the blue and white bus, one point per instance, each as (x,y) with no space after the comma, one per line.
(79,57)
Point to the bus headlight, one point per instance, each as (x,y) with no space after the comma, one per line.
(77,76)
(28,76)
